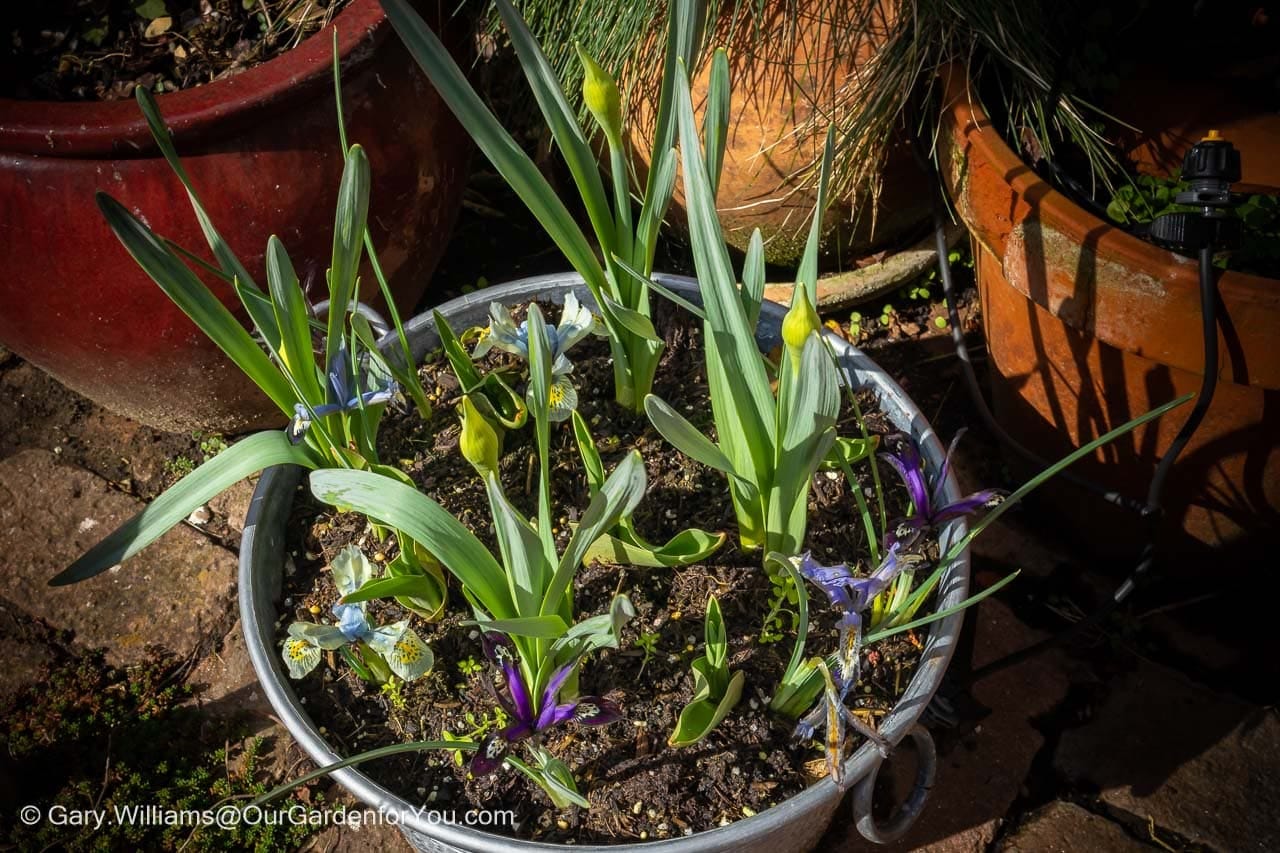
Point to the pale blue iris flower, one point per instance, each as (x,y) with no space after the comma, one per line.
(576,322)
(347,392)
(406,655)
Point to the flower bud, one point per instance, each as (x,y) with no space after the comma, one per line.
(479,442)
(600,94)
(799,322)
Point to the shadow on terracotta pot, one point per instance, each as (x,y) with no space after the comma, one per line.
(262,149)
(1088,326)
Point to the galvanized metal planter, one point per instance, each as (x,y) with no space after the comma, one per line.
(790,827)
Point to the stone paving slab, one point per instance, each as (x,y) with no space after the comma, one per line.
(28,645)
(1062,827)
(178,593)
(1200,763)
(225,684)
(374,838)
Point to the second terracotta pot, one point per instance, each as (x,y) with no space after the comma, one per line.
(1088,326)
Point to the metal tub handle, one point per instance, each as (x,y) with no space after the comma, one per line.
(906,814)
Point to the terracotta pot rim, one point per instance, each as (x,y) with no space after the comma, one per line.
(963,111)
(117,128)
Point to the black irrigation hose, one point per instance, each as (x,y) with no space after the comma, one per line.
(1152,510)
(975,391)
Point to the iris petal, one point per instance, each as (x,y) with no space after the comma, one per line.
(352,622)
(499,649)
(833,580)
(351,570)
(402,649)
(967,505)
(905,459)
(550,692)
(300,656)
(595,711)
(492,752)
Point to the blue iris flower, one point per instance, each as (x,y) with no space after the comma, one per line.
(344,394)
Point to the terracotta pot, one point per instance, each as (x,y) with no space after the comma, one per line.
(1088,326)
(262,149)
(771,146)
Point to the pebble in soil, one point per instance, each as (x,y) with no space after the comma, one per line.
(637,786)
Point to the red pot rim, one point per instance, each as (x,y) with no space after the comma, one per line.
(962,111)
(117,128)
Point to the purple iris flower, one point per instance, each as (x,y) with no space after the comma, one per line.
(344,393)
(928,510)
(529,719)
(851,595)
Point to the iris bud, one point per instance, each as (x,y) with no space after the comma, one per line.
(479,442)
(800,321)
(600,94)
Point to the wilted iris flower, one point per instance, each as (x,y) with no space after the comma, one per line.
(928,510)
(576,322)
(405,654)
(529,718)
(345,394)
(851,596)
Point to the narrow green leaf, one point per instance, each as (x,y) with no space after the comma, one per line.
(227,259)
(548,627)
(238,461)
(597,632)
(661,186)
(699,719)
(416,586)
(617,498)
(293,320)
(563,123)
(196,301)
(348,242)
(684,31)
(660,289)
(591,461)
(405,508)
(753,276)
(876,636)
(634,322)
(686,438)
(796,663)
(628,548)
(807,275)
(539,401)
(713,633)
(506,155)
(381,752)
(741,398)
(459,359)
(715,121)
(1031,485)
(521,550)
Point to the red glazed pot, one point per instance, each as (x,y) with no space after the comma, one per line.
(1088,326)
(262,149)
